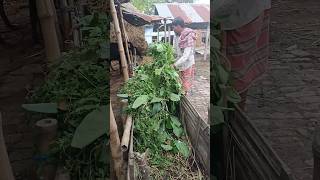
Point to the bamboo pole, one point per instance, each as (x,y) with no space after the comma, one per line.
(120,43)
(115,146)
(46,13)
(76,33)
(66,19)
(124,34)
(126,134)
(165,30)
(46,133)
(130,173)
(5,167)
(207,43)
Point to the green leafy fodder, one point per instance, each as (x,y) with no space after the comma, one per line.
(153,95)
(80,79)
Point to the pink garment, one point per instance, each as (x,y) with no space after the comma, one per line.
(187,77)
(187,38)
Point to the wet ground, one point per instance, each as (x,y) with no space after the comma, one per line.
(285,103)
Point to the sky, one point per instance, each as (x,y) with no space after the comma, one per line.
(202,1)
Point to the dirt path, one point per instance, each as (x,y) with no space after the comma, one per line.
(285,104)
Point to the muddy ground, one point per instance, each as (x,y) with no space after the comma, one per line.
(285,103)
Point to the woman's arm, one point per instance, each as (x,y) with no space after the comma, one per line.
(186,53)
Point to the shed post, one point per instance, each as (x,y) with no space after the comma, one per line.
(47,15)
(207,43)
(120,43)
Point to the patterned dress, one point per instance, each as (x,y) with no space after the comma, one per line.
(185,63)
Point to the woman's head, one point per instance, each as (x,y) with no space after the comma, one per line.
(178,25)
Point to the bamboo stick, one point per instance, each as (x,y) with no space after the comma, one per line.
(124,34)
(66,19)
(126,134)
(5,167)
(120,44)
(207,43)
(46,13)
(115,146)
(76,33)
(130,172)
(46,133)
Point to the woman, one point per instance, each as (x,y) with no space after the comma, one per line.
(245,28)
(184,47)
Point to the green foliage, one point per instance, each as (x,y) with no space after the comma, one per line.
(81,80)
(223,94)
(146,6)
(153,94)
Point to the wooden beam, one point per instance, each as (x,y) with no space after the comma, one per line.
(120,43)
(116,153)
(47,16)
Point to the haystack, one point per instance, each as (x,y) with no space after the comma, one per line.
(135,33)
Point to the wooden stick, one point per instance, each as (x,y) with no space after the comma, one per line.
(76,33)
(131,174)
(46,133)
(124,34)
(66,19)
(124,103)
(115,146)
(46,13)
(120,43)
(207,43)
(126,134)
(5,167)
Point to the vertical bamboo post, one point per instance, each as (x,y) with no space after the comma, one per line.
(165,30)
(46,13)
(119,39)
(115,146)
(76,33)
(5,167)
(66,20)
(46,133)
(124,34)
(169,30)
(316,155)
(207,43)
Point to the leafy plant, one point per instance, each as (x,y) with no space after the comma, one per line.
(153,95)
(81,81)
(223,94)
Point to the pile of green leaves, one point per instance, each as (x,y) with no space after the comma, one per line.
(80,80)
(153,95)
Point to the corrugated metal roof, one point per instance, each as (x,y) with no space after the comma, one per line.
(190,13)
(136,18)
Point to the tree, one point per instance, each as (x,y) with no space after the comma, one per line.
(146,6)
